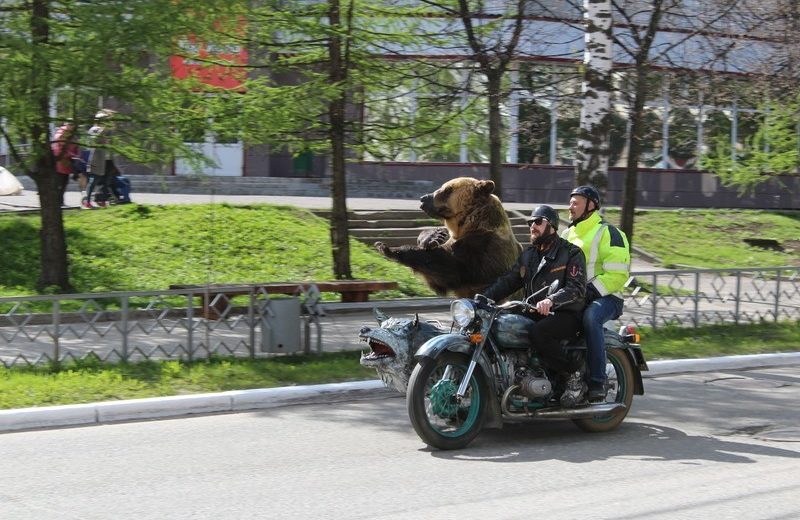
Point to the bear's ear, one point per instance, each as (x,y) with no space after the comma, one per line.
(485,187)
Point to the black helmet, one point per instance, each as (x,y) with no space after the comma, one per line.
(589,192)
(545,212)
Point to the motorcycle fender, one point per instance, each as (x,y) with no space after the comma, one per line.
(631,354)
(434,347)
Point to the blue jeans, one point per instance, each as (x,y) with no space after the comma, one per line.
(596,314)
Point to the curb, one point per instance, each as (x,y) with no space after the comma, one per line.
(263,398)
(683,366)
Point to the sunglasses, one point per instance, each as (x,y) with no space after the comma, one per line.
(538,221)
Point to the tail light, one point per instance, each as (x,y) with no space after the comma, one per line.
(629,334)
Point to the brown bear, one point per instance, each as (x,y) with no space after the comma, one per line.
(480,246)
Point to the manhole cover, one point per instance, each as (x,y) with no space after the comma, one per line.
(780,434)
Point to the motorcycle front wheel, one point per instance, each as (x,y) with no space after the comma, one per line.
(619,373)
(441,420)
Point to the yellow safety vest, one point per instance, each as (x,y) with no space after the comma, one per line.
(608,257)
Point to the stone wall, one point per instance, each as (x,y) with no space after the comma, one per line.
(552,184)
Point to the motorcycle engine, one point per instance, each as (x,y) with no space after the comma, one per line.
(533,384)
(535,387)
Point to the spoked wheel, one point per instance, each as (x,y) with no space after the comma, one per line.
(619,372)
(439,419)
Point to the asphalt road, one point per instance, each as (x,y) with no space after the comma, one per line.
(717,444)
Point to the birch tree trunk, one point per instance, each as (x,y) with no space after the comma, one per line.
(591,155)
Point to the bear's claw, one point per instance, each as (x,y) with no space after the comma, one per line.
(382,248)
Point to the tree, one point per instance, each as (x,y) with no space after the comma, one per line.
(493,33)
(773,150)
(638,47)
(316,70)
(338,69)
(693,31)
(592,153)
(85,52)
(772,146)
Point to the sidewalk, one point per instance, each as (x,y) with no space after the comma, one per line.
(244,400)
(29,201)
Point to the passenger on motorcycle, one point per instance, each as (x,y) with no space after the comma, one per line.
(549,258)
(607,270)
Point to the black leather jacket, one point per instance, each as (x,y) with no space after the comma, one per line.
(536,269)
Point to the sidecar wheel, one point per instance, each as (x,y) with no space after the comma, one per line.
(438,419)
(620,378)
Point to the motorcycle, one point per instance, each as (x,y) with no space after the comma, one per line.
(486,371)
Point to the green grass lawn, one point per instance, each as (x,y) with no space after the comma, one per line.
(138,247)
(715,238)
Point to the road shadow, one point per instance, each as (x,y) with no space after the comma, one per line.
(561,440)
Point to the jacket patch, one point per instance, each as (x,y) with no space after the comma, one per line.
(574,271)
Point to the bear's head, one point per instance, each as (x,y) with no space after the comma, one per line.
(455,197)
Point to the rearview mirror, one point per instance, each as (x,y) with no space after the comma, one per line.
(553,287)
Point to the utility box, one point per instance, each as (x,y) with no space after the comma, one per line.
(280,326)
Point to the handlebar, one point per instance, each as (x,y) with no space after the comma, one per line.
(509,305)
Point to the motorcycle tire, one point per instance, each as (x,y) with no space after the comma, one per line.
(621,381)
(438,419)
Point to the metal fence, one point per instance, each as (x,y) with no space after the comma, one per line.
(693,297)
(142,325)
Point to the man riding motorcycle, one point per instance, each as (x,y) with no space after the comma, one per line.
(607,270)
(550,258)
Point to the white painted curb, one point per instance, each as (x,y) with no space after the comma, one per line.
(241,400)
(176,406)
(677,366)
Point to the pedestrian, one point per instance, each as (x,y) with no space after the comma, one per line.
(80,168)
(101,167)
(608,263)
(65,150)
(547,259)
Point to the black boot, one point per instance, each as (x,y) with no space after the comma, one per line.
(597,392)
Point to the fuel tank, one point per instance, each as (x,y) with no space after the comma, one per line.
(511,331)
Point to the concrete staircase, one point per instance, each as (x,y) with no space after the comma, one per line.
(401,227)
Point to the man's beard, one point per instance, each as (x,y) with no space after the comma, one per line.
(544,239)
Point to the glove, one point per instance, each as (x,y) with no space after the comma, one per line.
(481,299)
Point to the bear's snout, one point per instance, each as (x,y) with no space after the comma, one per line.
(427,205)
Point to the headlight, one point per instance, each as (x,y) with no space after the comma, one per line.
(463,312)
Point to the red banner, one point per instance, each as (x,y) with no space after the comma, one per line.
(202,61)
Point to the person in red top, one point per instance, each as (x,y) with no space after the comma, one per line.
(65,149)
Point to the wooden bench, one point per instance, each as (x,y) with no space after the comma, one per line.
(350,290)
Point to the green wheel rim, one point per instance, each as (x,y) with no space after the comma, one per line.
(441,406)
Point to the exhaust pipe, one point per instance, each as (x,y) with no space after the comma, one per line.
(578,413)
